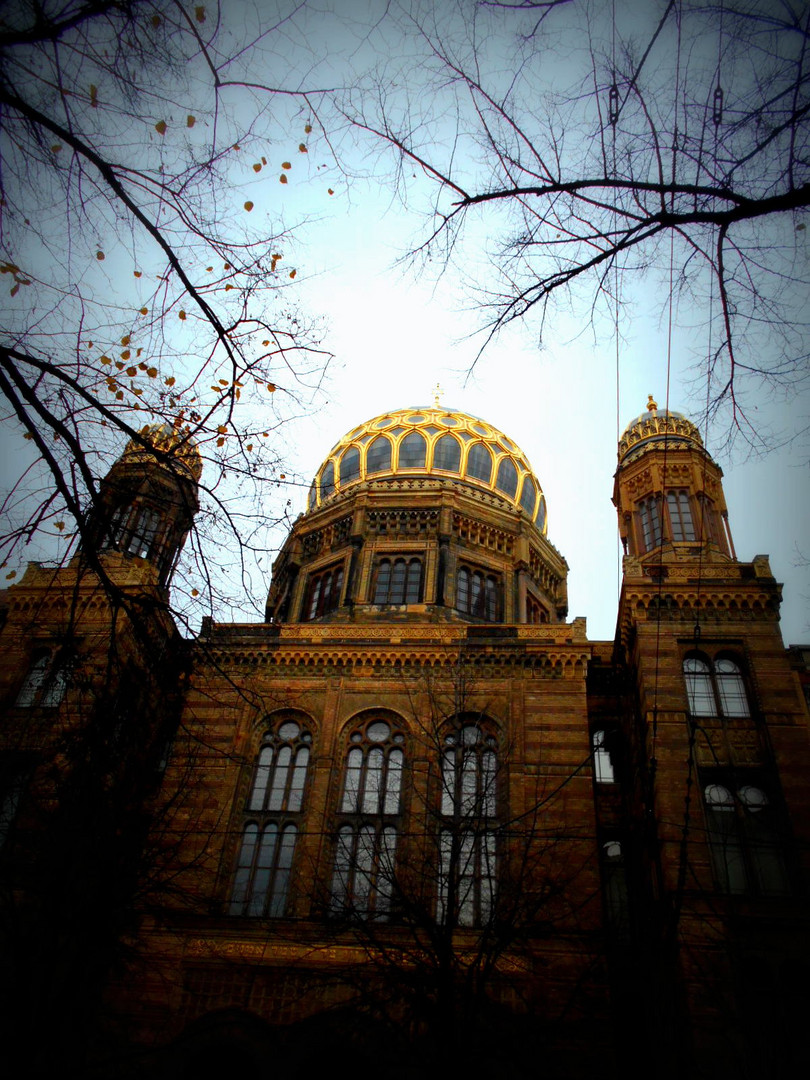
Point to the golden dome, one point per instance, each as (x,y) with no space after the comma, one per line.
(431,441)
(652,428)
(166,440)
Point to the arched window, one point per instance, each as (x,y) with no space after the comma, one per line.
(350,465)
(680,515)
(378,455)
(507,477)
(447,454)
(47,680)
(323,592)
(327,480)
(135,529)
(747,849)
(478,594)
(412,451)
(273,811)
(399,581)
(649,511)
(468,809)
(535,612)
(602,760)
(363,878)
(527,495)
(614,884)
(715,689)
(479,462)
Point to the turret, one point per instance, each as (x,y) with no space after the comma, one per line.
(668,492)
(148,500)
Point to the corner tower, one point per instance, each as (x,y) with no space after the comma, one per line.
(421,514)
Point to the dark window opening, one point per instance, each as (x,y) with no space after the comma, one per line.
(478,594)
(323,593)
(399,581)
(47,680)
(378,455)
(715,688)
(745,838)
(650,514)
(680,516)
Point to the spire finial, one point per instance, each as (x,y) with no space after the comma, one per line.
(652,404)
(437,394)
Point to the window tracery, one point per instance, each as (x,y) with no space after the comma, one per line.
(715,688)
(744,837)
(398,581)
(323,592)
(368,821)
(478,594)
(273,812)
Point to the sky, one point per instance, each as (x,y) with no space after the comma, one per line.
(397,329)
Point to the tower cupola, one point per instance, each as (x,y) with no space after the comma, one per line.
(148,500)
(668,491)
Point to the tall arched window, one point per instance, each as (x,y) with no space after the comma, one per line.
(47,679)
(715,688)
(680,515)
(378,455)
(479,462)
(399,581)
(467,840)
(447,454)
(363,878)
(602,761)
(412,451)
(649,511)
(350,465)
(507,478)
(273,812)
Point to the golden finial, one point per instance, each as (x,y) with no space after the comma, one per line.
(437,393)
(652,404)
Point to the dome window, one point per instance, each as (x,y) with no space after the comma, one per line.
(327,480)
(447,454)
(540,516)
(412,451)
(479,463)
(527,496)
(378,455)
(350,465)
(507,478)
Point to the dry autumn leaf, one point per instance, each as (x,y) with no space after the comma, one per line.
(307,128)
(286,164)
(191,121)
(160,127)
(99,255)
(248,206)
(282,179)
(181,315)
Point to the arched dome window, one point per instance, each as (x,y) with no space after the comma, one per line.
(540,516)
(527,496)
(327,480)
(412,451)
(447,454)
(378,455)
(507,478)
(479,462)
(350,465)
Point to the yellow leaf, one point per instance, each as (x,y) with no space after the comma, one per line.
(125,355)
(282,179)
(248,206)
(13,574)
(249,446)
(125,340)
(226,266)
(209,269)
(156,21)
(191,121)
(119,365)
(264,160)
(224,382)
(93,96)
(99,255)
(282,476)
(142,365)
(170,381)
(120,395)
(14,290)
(308,128)
(271,387)
(302,149)
(144,311)
(138,352)
(257,167)
(227,287)
(28,435)
(286,165)
(221,429)
(152,372)
(195,592)
(136,273)
(220,441)
(181,315)
(60,525)
(329,190)
(132,372)
(199,13)
(292,273)
(160,127)
(56,148)
(106,360)
(265,343)
(137,392)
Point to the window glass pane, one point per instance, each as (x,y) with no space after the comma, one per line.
(447,454)
(278,900)
(34,680)
(491,612)
(350,465)
(413,585)
(393,782)
(396,593)
(279,785)
(378,731)
(602,764)
(373,785)
(448,782)
(507,477)
(412,451)
(540,517)
(383,582)
(264,864)
(477,596)
(469,778)
(298,778)
(680,516)
(385,871)
(699,687)
(354,766)
(378,455)
(463,590)
(488,781)
(363,868)
(262,778)
(343,862)
(479,462)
